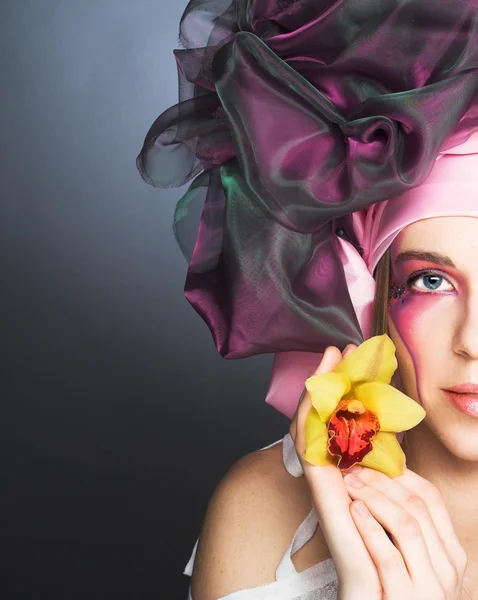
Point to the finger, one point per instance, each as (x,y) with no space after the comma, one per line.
(348,349)
(352,559)
(386,557)
(331,501)
(405,515)
(293,423)
(440,517)
(332,357)
(327,363)
(420,505)
(293,428)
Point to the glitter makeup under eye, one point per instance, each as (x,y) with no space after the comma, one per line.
(396,292)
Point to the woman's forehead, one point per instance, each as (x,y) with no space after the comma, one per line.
(452,236)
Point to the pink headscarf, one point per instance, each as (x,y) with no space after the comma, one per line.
(451,189)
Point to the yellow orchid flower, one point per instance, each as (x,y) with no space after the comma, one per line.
(355,412)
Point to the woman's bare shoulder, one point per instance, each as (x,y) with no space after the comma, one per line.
(249,523)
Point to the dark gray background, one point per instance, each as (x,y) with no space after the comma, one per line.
(118,415)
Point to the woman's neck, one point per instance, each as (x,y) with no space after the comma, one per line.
(455,478)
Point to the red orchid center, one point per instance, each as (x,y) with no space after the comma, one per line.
(351,429)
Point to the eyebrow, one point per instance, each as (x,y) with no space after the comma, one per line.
(435,257)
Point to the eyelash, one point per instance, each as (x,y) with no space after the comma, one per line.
(415,276)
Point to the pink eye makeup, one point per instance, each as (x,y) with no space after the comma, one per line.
(425,281)
(424,293)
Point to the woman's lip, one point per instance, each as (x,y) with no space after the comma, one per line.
(464,388)
(465,403)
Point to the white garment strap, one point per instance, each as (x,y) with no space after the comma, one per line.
(303,534)
(273,444)
(289,455)
(188,569)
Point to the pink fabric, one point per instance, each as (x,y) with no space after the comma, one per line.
(451,189)
(291,369)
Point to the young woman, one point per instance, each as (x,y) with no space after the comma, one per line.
(334,146)
(429,511)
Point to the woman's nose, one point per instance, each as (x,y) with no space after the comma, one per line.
(465,342)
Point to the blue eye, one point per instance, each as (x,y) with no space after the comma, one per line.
(429,282)
(432,282)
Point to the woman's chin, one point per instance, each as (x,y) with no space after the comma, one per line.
(450,429)
(460,439)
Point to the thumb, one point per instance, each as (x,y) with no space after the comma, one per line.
(331,358)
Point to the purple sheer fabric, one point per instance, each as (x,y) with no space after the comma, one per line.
(293,115)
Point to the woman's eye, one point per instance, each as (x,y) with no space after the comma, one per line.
(430,283)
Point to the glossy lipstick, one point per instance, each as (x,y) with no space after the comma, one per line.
(464,397)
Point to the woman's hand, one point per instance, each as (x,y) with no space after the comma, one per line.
(421,560)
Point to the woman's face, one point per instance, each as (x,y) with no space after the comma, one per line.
(433,322)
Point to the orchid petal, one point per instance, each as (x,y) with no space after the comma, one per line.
(326,391)
(374,360)
(316,439)
(386,456)
(395,411)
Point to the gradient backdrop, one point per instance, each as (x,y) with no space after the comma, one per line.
(118,415)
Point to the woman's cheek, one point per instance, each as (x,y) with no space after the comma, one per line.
(416,317)
(412,314)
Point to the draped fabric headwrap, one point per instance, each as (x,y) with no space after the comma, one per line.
(295,116)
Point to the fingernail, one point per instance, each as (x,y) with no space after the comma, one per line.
(353,481)
(361,509)
(354,469)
